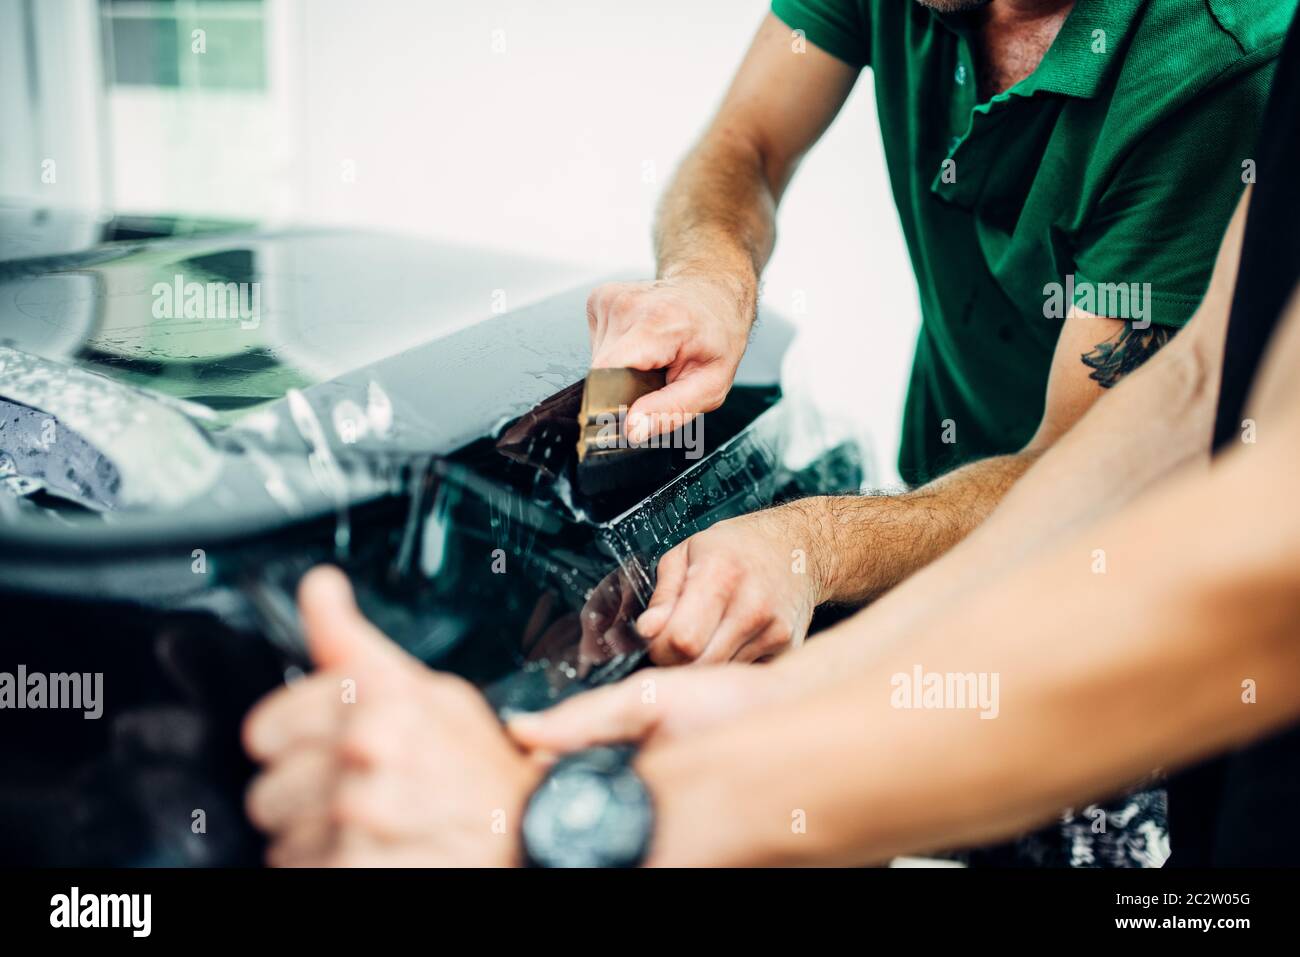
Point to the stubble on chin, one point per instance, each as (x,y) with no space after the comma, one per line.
(954,6)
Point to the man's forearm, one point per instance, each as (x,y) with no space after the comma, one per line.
(864,545)
(717,220)
(1146,428)
(1152,424)
(1101,678)
(1149,427)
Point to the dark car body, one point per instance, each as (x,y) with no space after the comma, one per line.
(167,476)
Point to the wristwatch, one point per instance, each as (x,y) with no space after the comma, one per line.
(591,810)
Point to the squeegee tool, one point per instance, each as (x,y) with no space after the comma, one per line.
(606,459)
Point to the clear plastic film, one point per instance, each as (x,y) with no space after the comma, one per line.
(496,572)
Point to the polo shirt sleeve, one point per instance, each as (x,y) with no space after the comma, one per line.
(840,27)
(1162,218)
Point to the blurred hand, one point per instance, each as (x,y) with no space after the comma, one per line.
(743,590)
(649,707)
(375,760)
(607,623)
(696,328)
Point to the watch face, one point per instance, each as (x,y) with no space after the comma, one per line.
(589,814)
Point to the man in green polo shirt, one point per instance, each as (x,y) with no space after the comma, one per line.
(1063,172)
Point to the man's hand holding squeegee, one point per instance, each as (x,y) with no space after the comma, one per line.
(693,329)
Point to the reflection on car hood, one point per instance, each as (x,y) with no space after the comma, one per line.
(395,347)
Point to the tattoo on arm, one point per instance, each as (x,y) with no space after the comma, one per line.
(1123,352)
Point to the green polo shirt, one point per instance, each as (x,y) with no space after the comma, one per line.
(1112,169)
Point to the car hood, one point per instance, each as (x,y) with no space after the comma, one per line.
(126,390)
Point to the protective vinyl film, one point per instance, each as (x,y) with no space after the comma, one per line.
(166,480)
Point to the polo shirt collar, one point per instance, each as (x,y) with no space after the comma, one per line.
(1069,68)
(1073,65)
